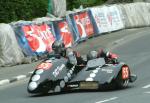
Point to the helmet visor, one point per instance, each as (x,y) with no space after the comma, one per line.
(57,50)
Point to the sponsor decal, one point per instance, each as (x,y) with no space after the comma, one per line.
(66,79)
(71,71)
(95,71)
(49,61)
(62,84)
(32,86)
(69,75)
(35,78)
(92,75)
(98,68)
(44,66)
(39,71)
(57,89)
(73,85)
(58,70)
(89,79)
(107,70)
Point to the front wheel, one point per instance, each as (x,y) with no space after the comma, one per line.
(122,80)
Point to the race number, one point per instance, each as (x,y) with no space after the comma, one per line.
(125,72)
(45,66)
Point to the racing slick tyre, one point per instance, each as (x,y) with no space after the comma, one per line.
(45,87)
(44,90)
(122,79)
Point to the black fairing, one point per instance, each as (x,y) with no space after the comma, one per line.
(55,73)
(98,71)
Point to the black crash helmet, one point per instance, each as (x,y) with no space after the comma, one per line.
(58,47)
(92,55)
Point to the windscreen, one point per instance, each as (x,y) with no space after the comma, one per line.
(96,62)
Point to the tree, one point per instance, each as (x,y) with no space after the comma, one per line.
(86,3)
(13,10)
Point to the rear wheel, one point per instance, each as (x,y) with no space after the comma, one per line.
(122,80)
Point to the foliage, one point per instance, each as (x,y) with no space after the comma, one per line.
(86,3)
(13,10)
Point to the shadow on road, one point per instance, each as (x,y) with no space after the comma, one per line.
(81,91)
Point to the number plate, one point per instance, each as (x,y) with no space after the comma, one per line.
(89,85)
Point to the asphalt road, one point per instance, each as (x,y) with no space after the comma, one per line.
(104,41)
(135,52)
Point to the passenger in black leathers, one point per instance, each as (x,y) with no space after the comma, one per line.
(108,56)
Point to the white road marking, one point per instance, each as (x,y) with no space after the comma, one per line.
(107,100)
(147,86)
(147,92)
(20,77)
(5,81)
(31,72)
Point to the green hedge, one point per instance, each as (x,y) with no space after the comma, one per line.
(13,10)
(86,3)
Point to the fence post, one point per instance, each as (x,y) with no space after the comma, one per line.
(50,6)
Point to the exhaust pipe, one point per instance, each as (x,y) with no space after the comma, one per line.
(132,78)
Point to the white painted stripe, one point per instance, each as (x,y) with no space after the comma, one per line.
(107,100)
(5,81)
(31,72)
(147,92)
(20,77)
(147,86)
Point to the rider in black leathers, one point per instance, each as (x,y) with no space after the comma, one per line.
(73,57)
